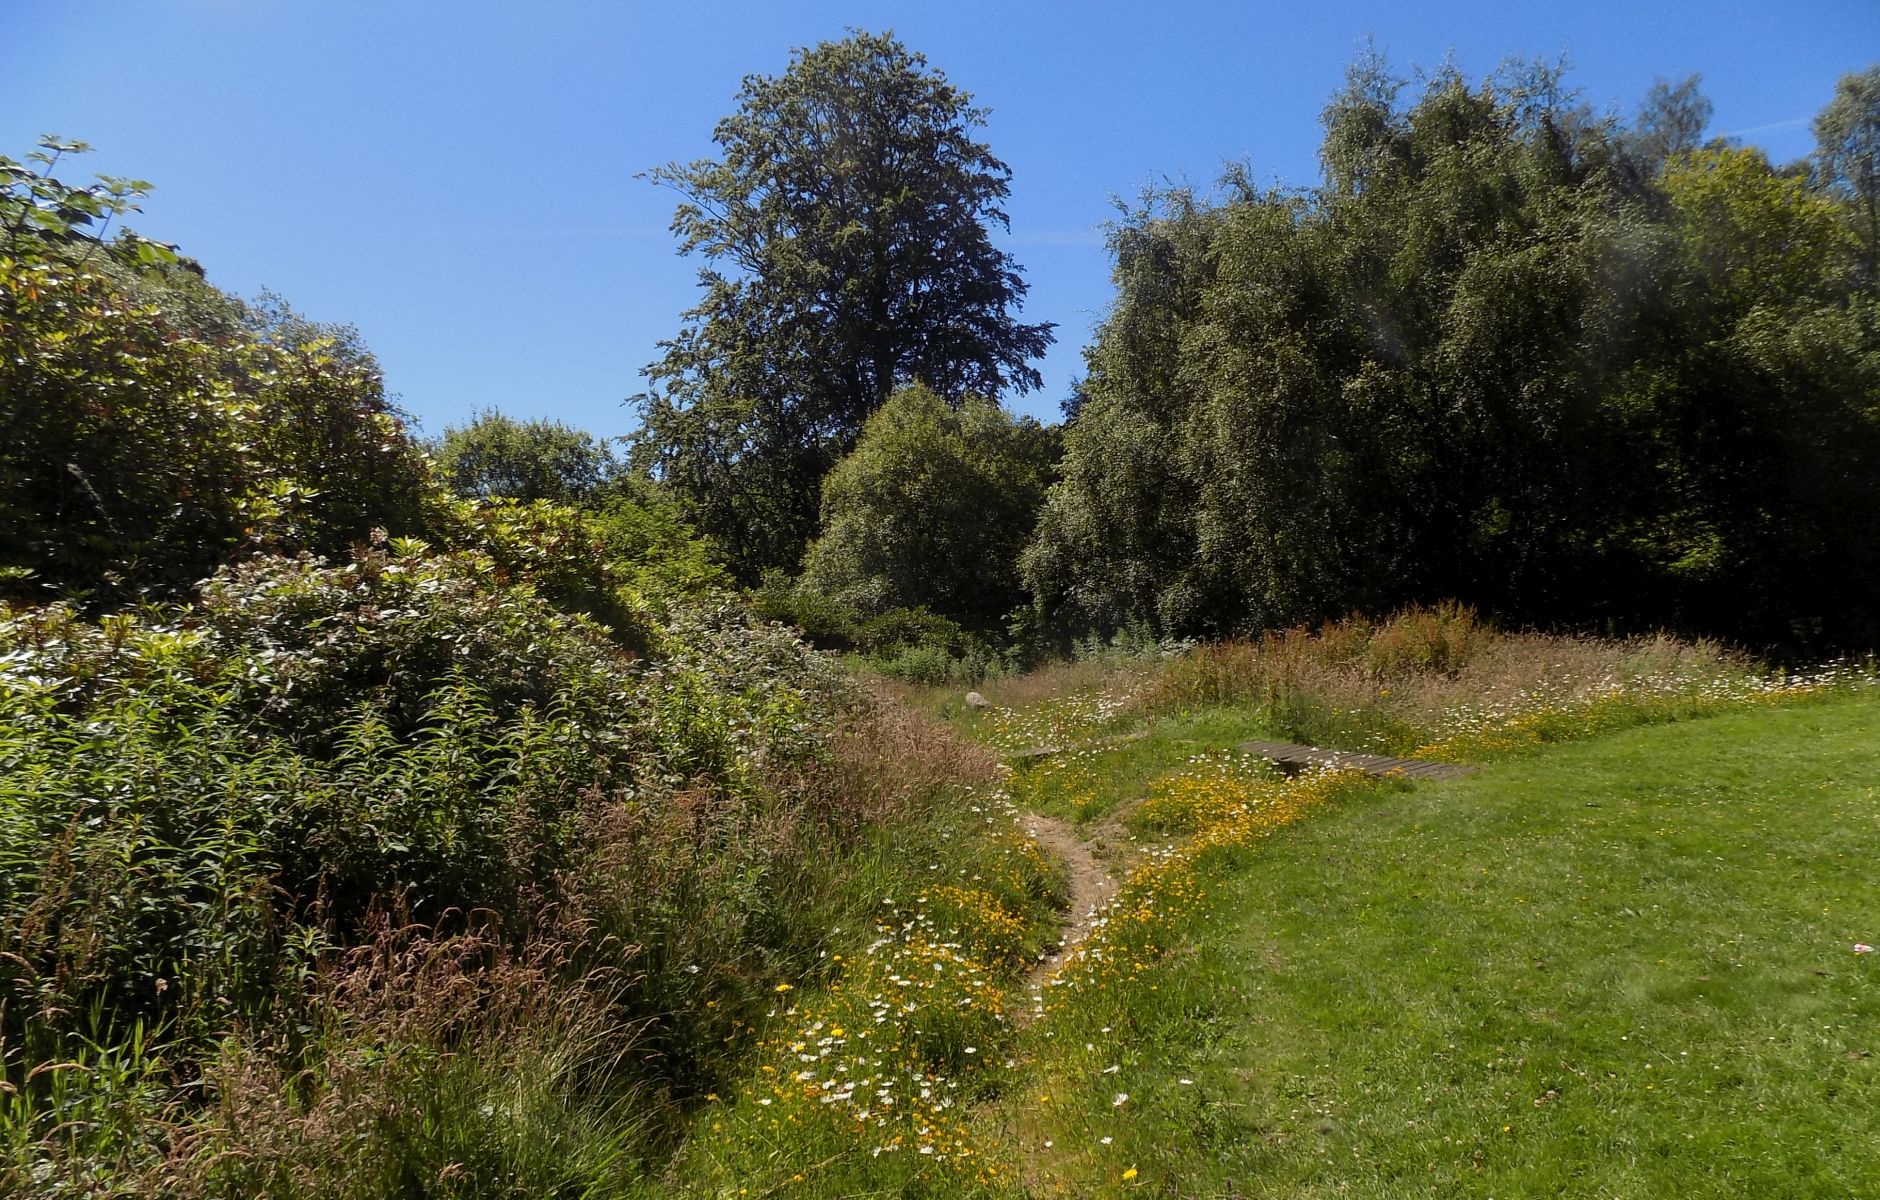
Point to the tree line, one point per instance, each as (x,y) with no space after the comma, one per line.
(1570,368)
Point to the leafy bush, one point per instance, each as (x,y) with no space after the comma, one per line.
(932,666)
(143,450)
(904,628)
(926,665)
(931,509)
(828,623)
(642,533)
(197,802)
(561,552)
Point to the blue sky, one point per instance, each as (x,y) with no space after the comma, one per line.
(457,178)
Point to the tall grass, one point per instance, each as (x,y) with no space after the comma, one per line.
(1425,677)
(865,1073)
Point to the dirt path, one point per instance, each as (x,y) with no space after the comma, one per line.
(1091,889)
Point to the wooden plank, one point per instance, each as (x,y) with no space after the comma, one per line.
(1374,764)
(1047,751)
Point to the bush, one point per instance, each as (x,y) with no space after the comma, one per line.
(924,665)
(140,457)
(562,553)
(907,628)
(211,796)
(931,509)
(643,534)
(828,624)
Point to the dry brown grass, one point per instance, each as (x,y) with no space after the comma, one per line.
(891,757)
(1392,684)
(1058,679)
(1104,672)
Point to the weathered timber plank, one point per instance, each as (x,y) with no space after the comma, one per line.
(1374,764)
(1047,751)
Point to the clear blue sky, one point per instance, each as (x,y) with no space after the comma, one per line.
(456,178)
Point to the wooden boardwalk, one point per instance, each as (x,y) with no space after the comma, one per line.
(1287,754)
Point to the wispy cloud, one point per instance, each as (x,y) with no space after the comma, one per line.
(602,233)
(1771,127)
(548,231)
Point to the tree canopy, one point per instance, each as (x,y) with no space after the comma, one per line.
(1502,355)
(846,233)
(497,455)
(931,509)
(1847,156)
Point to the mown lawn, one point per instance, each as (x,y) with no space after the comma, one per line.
(1616,968)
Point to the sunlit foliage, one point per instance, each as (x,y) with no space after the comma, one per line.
(930,510)
(847,234)
(156,428)
(1509,352)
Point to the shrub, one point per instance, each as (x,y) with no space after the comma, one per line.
(200,451)
(190,796)
(907,628)
(931,509)
(562,553)
(143,449)
(642,533)
(829,624)
(924,665)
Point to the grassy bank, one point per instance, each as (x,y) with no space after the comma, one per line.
(1619,967)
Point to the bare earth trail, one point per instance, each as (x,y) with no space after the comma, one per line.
(1091,888)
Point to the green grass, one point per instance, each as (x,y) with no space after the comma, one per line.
(1088,784)
(1621,967)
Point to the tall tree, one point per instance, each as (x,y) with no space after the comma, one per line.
(1671,121)
(1847,155)
(496,455)
(846,232)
